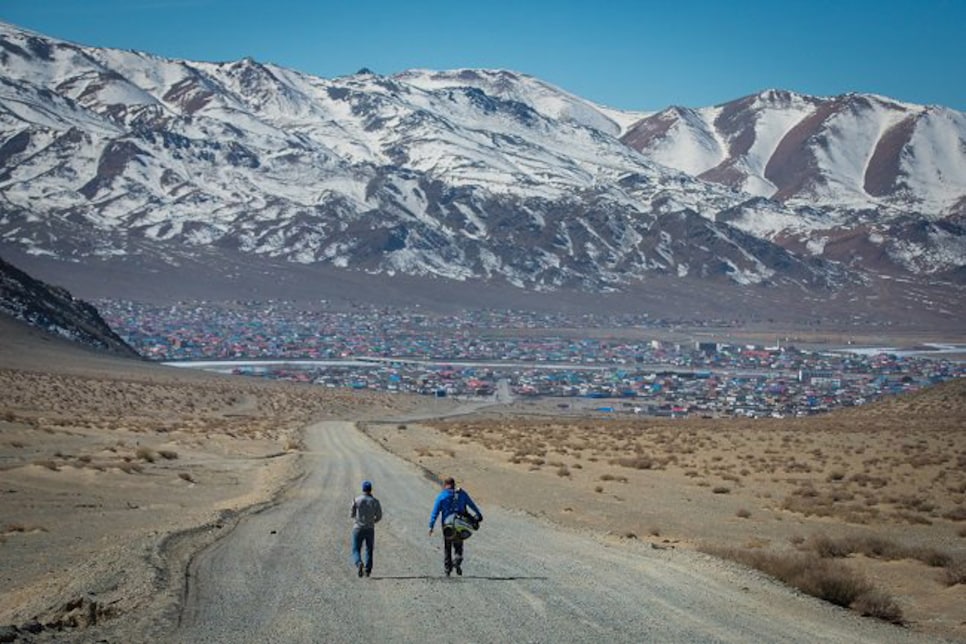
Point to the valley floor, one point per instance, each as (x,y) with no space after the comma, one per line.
(114,473)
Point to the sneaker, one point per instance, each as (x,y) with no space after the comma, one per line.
(368,572)
(448,570)
(362,570)
(459,570)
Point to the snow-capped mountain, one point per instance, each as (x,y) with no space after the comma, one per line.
(855,178)
(463,174)
(853,151)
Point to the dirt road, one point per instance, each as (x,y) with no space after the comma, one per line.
(285,575)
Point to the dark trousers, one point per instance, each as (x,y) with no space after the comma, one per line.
(451,546)
(360,537)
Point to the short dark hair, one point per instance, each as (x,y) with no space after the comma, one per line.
(449,481)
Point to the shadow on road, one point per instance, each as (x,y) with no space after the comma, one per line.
(443,578)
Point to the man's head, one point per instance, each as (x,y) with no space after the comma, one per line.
(449,482)
(367,486)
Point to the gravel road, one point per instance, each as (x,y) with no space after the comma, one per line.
(284,575)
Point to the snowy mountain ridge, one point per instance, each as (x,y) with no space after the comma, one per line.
(483,174)
(854,151)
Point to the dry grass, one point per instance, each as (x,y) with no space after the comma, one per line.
(955,573)
(819,577)
(100,452)
(897,467)
(237,408)
(878,547)
(901,461)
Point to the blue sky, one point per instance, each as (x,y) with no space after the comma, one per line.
(635,55)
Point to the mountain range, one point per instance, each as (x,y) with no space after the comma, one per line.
(490,176)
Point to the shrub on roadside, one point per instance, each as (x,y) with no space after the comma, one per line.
(878,548)
(955,573)
(825,579)
(877,604)
(832,583)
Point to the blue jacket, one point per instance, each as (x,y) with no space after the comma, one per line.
(452,501)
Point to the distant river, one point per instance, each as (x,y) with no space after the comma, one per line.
(227,366)
(956,352)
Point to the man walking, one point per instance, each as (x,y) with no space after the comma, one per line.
(367,511)
(451,504)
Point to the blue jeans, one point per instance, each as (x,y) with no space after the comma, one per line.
(362,536)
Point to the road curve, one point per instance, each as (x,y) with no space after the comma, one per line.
(284,575)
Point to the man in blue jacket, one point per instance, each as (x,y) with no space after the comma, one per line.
(451,504)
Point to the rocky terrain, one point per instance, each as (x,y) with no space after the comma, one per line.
(56,311)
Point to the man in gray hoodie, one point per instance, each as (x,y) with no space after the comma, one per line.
(367,512)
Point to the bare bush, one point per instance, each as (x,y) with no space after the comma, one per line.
(877,604)
(932,557)
(876,548)
(821,578)
(826,547)
(955,573)
(635,462)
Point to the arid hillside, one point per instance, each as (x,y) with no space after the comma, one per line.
(113,471)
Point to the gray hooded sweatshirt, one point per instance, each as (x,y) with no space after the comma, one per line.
(366,510)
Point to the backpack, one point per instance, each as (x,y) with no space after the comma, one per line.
(458,525)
